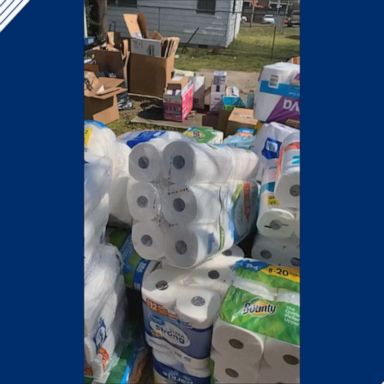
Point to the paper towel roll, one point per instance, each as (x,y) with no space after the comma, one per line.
(191,163)
(148,240)
(288,296)
(273,221)
(198,203)
(162,287)
(214,274)
(232,340)
(268,375)
(189,246)
(232,370)
(246,164)
(255,287)
(144,201)
(277,251)
(283,357)
(287,188)
(296,228)
(235,251)
(198,307)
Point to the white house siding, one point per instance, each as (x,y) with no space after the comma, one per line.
(215,30)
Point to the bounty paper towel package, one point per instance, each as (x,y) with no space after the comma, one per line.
(257,336)
(278,94)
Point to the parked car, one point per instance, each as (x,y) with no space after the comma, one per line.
(293,19)
(269,19)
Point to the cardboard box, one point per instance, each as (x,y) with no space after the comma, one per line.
(149,75)
(112,60)
(240,118)
(146,47)
(178,99)
(199,92)
(100,98)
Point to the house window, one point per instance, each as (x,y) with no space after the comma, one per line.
(206,6)
(123,3)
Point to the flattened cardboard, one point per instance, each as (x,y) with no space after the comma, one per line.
(149,75)
(136,25)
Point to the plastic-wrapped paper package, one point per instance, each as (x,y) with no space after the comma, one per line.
(180,307)
(186,162)
(268,143)
(258,330)
(278,94)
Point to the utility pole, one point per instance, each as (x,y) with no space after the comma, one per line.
(274,29)
(253,12)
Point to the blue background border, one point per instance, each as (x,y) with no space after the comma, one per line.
(42,194)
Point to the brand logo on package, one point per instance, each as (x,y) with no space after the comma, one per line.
(169,332)
(9,10)
(259,308)
(271,149)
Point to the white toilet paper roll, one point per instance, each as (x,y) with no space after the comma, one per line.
(166,358)
(191,163)
(232,340)
(235,251)
(288,296)
(144,201)
(145,158)
(214,274)
(189,246)
(283,357)
(277,251)
(199,203)
(233,370)
(296,228)
(273,221)
(148,240)
(162,287)
(268,375)
(198,307)
(287,188)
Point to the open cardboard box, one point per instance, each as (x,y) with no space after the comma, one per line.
(100,97)
(241,118)
(110,59)
(149,73)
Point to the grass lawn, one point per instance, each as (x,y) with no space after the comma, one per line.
(249,52)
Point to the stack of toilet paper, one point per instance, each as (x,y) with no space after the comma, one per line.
(99,140)
(256,338)
(191,201)
(104,291)
(180,307)
(277,96)
(278,221)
